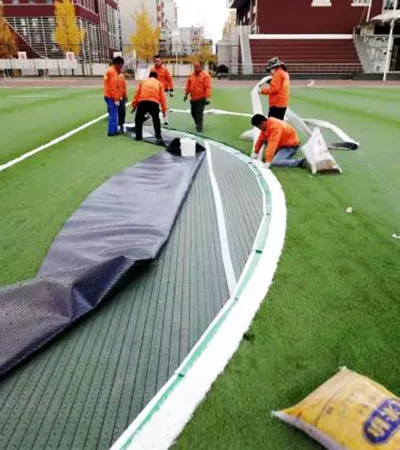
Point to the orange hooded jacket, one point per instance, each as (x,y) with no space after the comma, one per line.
(122,86)
(198,86)
(278,134)
(111,84)
(278,90)
(150,90)
(164,76)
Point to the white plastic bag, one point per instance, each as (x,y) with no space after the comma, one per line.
(317,154)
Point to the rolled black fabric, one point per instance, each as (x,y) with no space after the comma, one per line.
(119,227)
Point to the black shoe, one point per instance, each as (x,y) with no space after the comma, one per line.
(303,163)
(160,142)
(199,130)
(113,134)
(138,139)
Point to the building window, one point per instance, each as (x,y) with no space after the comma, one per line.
(360,2)
(389,4)
(321,3)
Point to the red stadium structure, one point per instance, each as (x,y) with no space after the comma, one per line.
(311,36)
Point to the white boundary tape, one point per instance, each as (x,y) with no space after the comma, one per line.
(164,417)
(49,144)
(223,234)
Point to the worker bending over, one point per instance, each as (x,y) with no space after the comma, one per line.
(198,86)
(281,140)
(278,89)
(148,98)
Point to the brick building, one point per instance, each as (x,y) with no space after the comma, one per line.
(33,22)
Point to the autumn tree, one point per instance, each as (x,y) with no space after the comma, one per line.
(8,46)
(145,41)
(205,55)
(67,35)
(230,23)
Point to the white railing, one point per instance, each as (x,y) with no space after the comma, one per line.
(62,67)
(305,68)
(376,47)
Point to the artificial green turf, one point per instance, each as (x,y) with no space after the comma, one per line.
(334,300)
(39,194)
(335,297)
(30,115)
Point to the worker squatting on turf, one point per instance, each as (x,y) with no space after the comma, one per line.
(148,98)
(278,90)
(281,140)
(198,86)
(112,94)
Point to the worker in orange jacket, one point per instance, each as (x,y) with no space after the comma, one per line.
(278,89)
(281,140)
(164,76)
(122,103)
(198,86)
(148,99)
(112,94)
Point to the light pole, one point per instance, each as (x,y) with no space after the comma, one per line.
(369,10)
(390,42)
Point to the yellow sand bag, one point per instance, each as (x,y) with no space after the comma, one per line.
(349,412)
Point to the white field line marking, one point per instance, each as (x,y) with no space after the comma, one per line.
(33,96)
(49,144)
(223,233)
(161,421)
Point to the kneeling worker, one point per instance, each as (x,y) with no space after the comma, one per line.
(282,142)
(149,96)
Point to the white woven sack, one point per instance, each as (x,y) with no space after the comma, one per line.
(317,154)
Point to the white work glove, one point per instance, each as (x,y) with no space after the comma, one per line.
(254,155)
(266,165)
(260,89)
(117,103)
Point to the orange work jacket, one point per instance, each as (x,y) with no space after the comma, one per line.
(111,84)
(122,86)
(150,90)
(278,90)
(164,76)
(278,134)
(198,86)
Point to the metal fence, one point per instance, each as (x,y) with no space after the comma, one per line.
(62,67)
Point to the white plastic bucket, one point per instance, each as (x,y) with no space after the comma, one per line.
(188,147)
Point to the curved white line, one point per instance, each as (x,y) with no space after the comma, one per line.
(164,417)
(222,231)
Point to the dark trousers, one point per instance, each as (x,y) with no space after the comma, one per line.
(277,112)
(121,112)
(197,110)
(147,107)
(283,157)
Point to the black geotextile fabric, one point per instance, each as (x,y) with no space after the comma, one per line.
(171,139)
(119,227)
